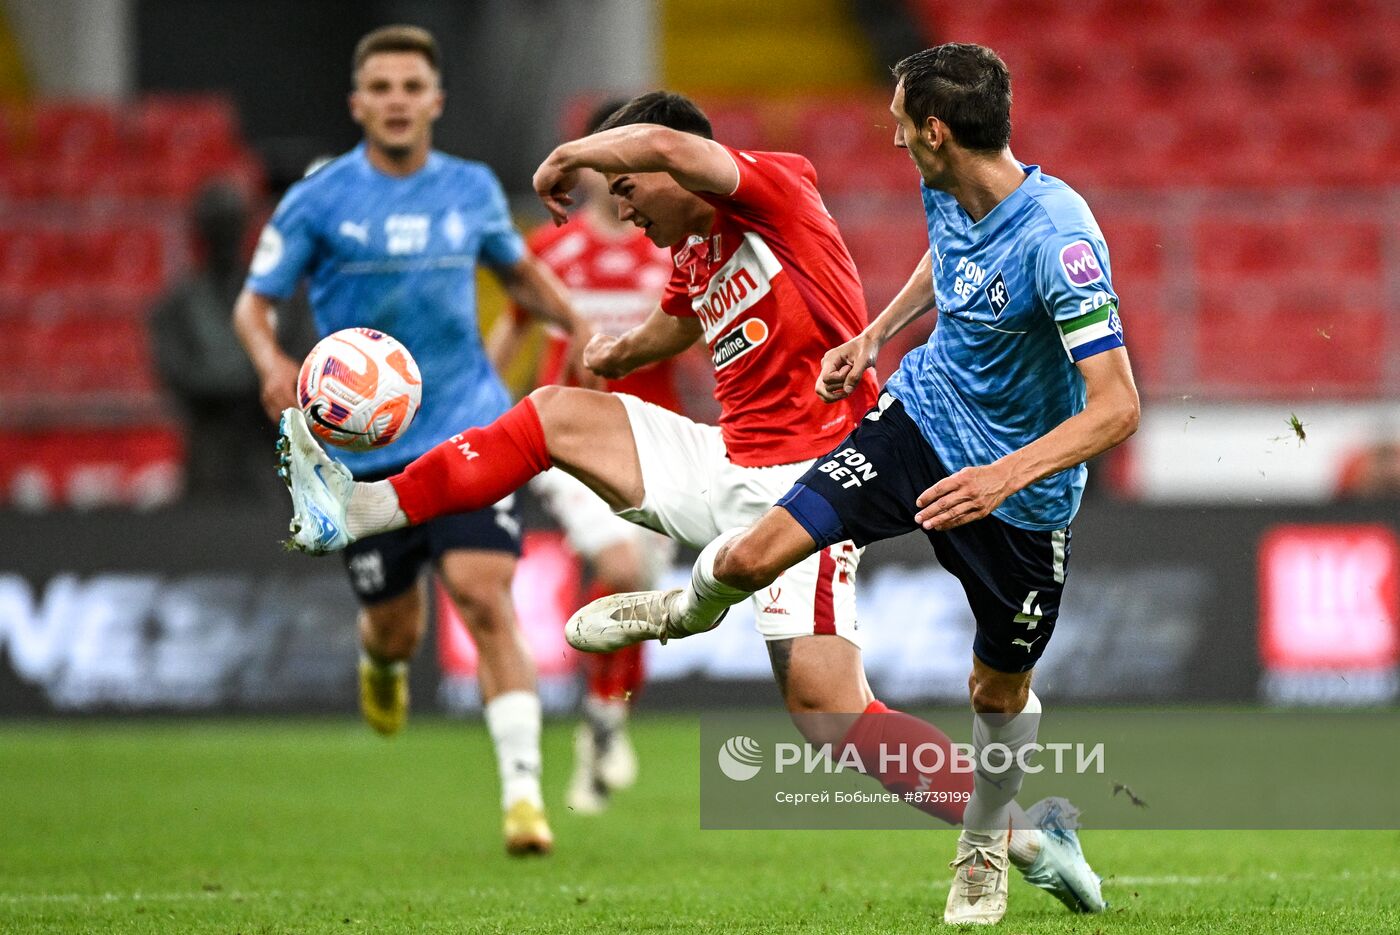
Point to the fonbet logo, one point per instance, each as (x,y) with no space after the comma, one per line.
(739,342)
(740,758)
(1080,264)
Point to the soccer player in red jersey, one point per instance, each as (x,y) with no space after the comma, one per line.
(615,277)
(761,272)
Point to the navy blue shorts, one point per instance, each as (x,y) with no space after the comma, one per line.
(865,490)
(388,564)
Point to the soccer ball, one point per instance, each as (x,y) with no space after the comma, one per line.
(359,388)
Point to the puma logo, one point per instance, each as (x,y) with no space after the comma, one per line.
(359,232)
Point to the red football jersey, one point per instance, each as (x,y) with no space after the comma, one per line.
(615,283)
(775,289)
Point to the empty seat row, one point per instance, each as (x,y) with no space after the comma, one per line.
(135,255)
(162,147)
(157,128)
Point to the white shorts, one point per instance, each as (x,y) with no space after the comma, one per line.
(590,525)
(693,492)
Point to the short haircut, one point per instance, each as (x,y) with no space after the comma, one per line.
(665,108)
(966,86)
(600,114)
(396,39)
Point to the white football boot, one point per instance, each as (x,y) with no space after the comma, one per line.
(619,620)
(320,488)
(978,893)
(1060,868)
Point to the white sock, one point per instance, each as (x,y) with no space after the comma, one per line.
(1024,845)
(604,717)
(989,812)
(706,599)
(373,508)
(514,722)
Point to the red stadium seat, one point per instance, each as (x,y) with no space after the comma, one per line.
(33,259)
(129,258)
(172,127)
(740,123)
(1344,251)
(1285,342)
(1150,336)
(886,236)
(76,131)
(851,144)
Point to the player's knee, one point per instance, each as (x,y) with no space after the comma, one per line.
(743,563)
(990,696)
(547,398)
(561,407)
(817,726)
(483,605)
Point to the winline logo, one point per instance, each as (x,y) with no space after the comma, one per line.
(741,758)
(739,342)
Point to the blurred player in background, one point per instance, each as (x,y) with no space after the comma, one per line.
(390,236)
(615,278)
(979,439)
(762,272)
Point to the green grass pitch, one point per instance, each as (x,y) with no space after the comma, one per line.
(319,826)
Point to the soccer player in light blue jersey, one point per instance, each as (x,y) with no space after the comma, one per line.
(389,236)
(978,441)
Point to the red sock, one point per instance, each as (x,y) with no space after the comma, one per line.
(475,469)
(877,725)
(614,676)
(627,671)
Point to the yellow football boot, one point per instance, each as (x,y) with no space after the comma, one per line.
(526,830)
(384,695)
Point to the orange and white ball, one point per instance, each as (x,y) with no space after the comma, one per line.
(359,388)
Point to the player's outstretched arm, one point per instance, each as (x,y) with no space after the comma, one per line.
(657,338)
(254,321)
(698,164)
(534,287)
(1109,416)
(843,366)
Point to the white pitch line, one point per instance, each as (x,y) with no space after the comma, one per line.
(1174,880)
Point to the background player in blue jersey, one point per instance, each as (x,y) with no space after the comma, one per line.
(389,236)
(979,440)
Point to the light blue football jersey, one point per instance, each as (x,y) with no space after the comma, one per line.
(399,255)
(1023,294)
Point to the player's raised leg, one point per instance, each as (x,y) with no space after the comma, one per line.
(582,431)
(478,583)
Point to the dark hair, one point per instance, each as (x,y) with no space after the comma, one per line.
(966,86)
(600,114)
(396,39)
(665,108)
